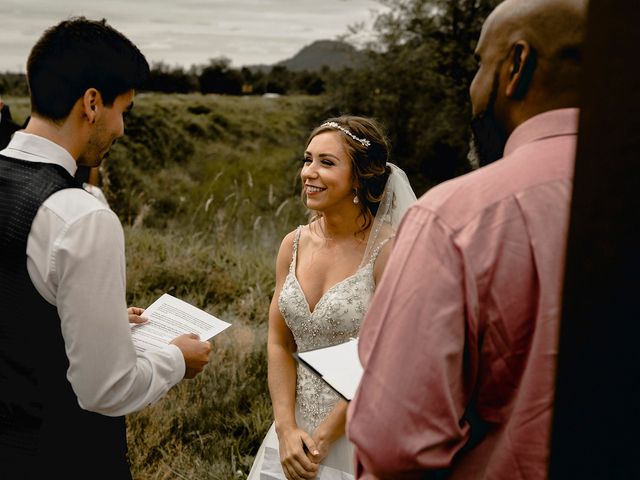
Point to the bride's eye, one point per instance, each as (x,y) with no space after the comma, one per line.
(306,160)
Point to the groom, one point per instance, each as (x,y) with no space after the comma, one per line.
(68,368)
(460,341)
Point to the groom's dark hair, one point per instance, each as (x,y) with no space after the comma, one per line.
(78,54)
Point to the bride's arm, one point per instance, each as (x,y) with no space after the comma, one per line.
(282,380)
(330,430)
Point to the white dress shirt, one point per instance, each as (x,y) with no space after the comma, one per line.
(76,261)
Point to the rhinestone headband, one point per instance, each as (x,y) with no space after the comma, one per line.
(363,141)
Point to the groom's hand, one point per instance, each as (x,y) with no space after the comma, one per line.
(195,352)
(135,315)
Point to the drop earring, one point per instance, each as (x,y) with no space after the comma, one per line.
(356,200)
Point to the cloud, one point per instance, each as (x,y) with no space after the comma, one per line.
(187,32)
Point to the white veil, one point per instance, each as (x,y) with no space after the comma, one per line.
(396,199)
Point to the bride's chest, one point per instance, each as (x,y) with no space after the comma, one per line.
(318,271)
(337,314)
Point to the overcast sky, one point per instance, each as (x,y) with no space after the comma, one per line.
(187,32)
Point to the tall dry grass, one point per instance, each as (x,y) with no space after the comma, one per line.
(206,187)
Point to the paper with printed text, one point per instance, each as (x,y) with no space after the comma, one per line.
(169,317)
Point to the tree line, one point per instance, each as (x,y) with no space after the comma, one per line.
(218,76)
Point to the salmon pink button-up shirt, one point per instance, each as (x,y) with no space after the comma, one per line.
(459,344)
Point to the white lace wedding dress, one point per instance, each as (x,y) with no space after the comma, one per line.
(335,319)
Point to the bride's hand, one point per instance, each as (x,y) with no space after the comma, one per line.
(322,447)
(329,430)
(296,463)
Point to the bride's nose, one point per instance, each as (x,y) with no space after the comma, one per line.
(309,170)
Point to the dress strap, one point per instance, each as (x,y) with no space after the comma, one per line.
(294,254)
(378,249)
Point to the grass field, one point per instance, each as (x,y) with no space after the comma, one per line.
(206,187)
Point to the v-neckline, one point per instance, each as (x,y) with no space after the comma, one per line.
(322,297)
(294,266)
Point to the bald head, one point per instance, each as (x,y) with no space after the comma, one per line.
(530,55)
(554,29)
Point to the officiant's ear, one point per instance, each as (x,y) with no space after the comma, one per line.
(522,64)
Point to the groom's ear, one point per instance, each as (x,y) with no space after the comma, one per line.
(91,101)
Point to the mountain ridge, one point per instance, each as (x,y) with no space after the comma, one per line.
(332,54)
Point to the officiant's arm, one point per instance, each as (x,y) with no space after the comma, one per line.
(282,380)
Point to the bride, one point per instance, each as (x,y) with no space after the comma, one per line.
(326,273)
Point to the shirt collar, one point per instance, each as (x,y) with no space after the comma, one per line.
(33,148)
(544,125)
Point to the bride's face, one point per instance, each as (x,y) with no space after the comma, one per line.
(326,173)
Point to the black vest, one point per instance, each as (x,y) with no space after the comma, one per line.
(42,428)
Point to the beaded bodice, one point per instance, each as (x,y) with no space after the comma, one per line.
(335,319)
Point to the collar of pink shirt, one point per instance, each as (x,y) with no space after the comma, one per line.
(549,124)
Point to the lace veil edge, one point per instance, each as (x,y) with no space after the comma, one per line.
(396,199)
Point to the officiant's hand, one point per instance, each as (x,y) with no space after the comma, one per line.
(195,352)
(294,445)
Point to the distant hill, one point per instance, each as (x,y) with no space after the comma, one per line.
(334,54)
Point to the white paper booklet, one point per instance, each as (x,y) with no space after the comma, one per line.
(338,365)
(170,317)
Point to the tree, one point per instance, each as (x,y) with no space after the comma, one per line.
(14,84)
(416,83)
(278,80)
(219,77)
(163,78)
